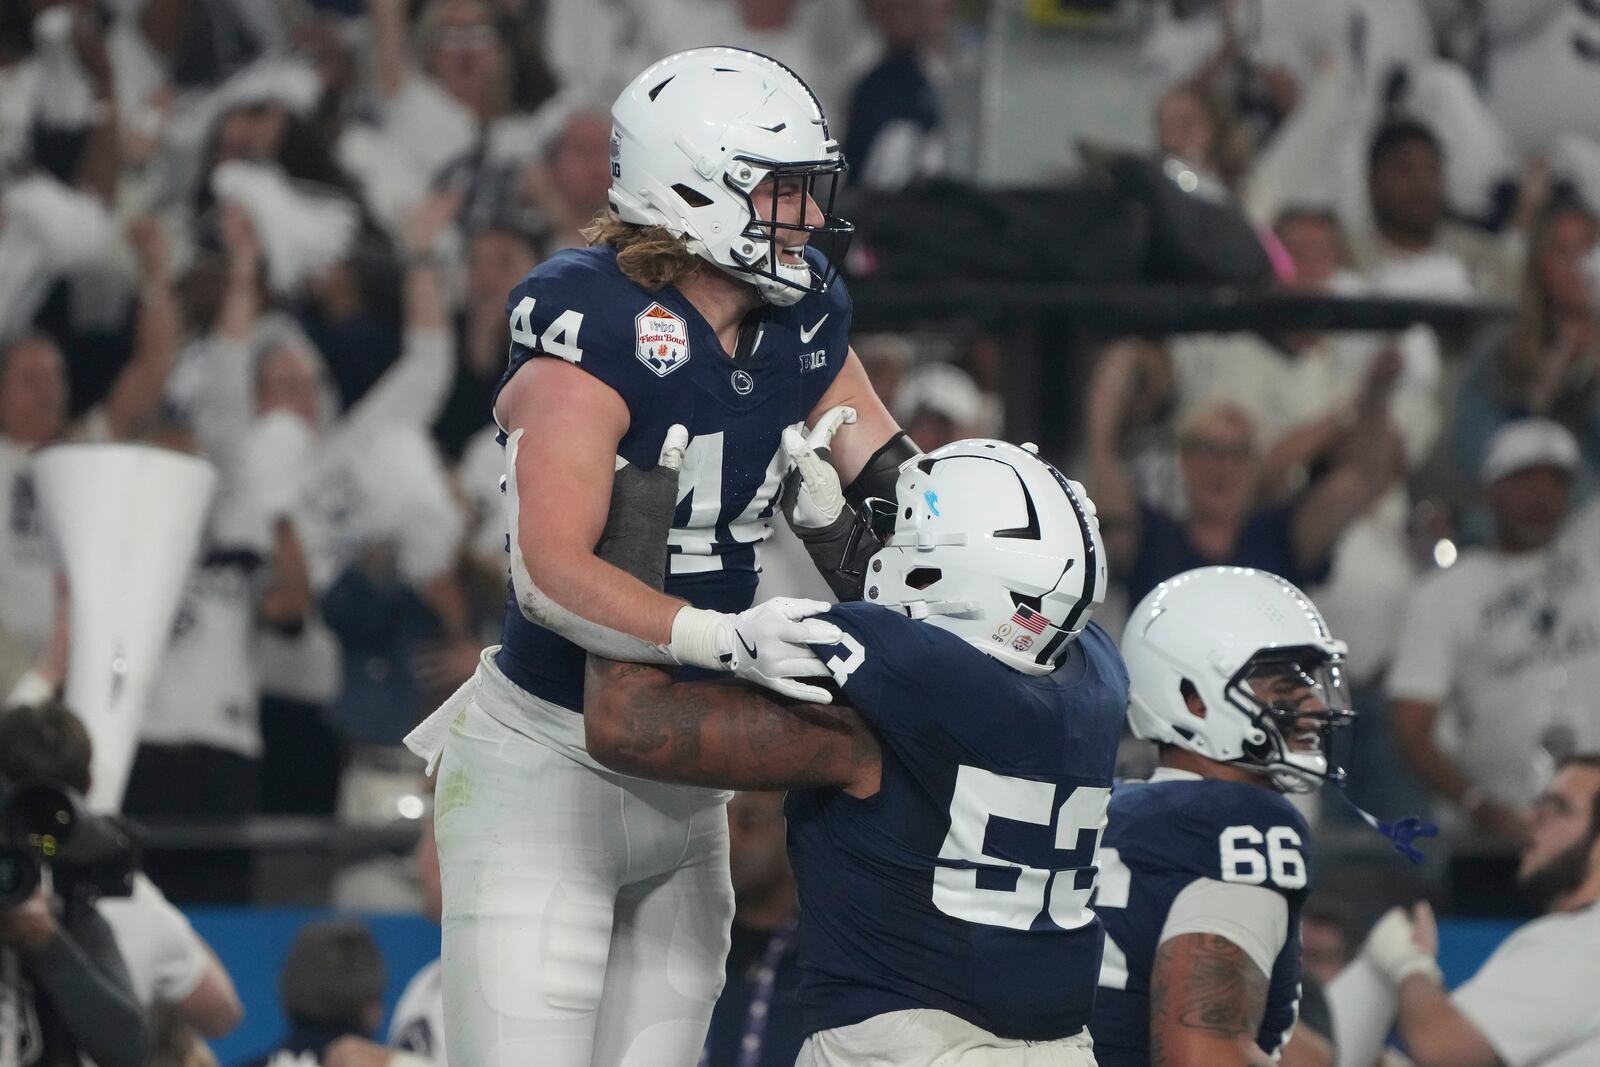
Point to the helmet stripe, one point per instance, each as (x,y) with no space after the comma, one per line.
(1091,572)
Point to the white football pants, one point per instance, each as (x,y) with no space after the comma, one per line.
(586,913)
(923,1037)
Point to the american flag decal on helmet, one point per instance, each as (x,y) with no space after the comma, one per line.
(1029,619)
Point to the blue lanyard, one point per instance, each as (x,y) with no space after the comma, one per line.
(761,994)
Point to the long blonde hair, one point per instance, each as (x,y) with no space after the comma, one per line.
(1534,329)
(652,257)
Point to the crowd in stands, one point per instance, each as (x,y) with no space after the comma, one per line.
(280,236)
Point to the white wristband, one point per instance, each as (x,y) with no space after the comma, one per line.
(1422,964)
(699,638)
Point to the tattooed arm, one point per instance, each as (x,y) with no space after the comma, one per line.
(1207,998)
(638,721)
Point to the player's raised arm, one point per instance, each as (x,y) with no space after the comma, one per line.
(1207,999)
(872,434)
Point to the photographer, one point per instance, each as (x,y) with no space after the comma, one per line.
(64,992)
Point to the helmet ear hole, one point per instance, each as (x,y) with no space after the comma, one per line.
(1191,699)
(692,197)
(922,577)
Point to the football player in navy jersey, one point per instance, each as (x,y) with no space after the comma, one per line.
(944,812)
(585,914)
(1203,870)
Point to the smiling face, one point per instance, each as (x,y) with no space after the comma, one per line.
(787,202)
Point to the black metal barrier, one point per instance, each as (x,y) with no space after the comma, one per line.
(1048,329)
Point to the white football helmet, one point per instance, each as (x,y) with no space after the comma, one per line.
(1260,658)
(993,544)
(694,135)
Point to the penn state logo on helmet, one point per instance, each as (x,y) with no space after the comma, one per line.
(663,339)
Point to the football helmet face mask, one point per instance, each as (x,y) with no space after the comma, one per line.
(993,544)
(695,136)
(1258,656)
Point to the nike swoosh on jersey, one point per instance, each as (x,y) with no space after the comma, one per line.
(806,335)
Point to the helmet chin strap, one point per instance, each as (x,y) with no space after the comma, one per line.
(1401,833)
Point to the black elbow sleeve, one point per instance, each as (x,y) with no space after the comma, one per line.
(841,551)
(877,478)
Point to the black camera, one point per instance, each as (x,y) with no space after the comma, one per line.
(45,824)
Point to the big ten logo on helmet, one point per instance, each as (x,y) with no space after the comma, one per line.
(616,154)
(663,340)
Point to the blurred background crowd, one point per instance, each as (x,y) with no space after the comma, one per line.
(1310,285)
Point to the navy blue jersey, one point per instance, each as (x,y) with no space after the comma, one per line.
(1163,836)
(666,363)
(963,884)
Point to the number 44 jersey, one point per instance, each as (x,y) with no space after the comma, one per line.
(963,884)
(663,359)
(1166,835)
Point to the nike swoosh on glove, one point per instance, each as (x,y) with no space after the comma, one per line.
(771,646)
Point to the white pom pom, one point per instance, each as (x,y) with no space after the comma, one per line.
(301,231)
(73,229)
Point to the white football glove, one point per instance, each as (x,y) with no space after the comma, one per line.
(1393,946)
(769,644)
(821,497)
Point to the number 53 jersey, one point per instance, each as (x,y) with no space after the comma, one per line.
(1177,833)
(963,884)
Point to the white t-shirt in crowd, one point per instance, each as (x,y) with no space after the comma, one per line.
(165,957)
(418,1023)
(1534,998)
(205,691)
(1509,647)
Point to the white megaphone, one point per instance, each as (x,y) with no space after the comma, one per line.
(126,522)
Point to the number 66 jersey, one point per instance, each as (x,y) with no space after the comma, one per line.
(963,884)
(1185,855)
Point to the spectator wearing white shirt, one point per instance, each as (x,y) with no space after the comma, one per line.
(1531,1004)
(1498,661)
(347,483)
(1413,249)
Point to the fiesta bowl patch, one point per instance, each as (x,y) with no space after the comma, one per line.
(663,339)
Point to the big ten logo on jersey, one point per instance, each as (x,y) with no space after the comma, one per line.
(559,339)
(1019,851)
(714,512)
(663,344)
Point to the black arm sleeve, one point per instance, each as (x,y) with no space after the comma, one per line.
(82,974)
(635,534)
(877,478)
